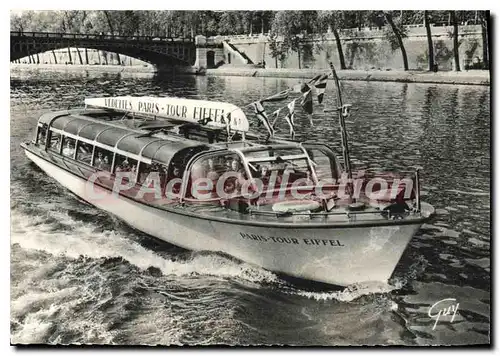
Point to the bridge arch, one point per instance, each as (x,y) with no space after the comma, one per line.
(151,57)
(157,51)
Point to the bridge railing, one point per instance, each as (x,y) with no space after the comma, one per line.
(101,36)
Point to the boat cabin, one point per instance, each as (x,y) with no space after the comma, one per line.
(86,141)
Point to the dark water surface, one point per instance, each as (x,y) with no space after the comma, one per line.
(79,275)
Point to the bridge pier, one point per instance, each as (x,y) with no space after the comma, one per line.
(209,52)
(200,43)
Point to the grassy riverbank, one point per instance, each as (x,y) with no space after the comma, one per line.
(473,77)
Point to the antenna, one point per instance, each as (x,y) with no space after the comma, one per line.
(343,112)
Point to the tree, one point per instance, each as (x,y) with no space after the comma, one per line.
(210,23)
(229,23)
(284,34)
(455,40)
(288,30)
(72,23)
(86,27)
(279,49)
(430,46)
(398,33)
(264,19)
(191,21)
(335,20)
(21,22)
(110,22)
(484,17)
(124,23)
(247,21)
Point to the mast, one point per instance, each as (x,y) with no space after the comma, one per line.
(343,112)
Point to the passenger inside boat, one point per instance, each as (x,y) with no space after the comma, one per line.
(99,159)
(176,172)
(212,172)
(102,159)
(105,165)
(42,135)
(264,173)
(144,170)
(122,164)
(198,171)
(55,140)
(232,183)
(69,148)
(162,171)
(214,167)
(84,152)
(237,167)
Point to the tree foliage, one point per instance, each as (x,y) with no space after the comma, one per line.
(184,23)
(334,21)
(145,22)
(288,30)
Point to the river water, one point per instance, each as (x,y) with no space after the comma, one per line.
(79,275)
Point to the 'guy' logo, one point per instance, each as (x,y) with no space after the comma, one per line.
(439,309)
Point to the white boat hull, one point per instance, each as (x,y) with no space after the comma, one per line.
(340,256)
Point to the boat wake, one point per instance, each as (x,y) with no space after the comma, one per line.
(87,241)
(78,283)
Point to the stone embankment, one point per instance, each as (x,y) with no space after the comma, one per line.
(471,77)
(82,67)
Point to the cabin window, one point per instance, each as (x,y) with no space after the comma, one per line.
(68,146)
(125,164)
(278,173)
(102,159)
(143,172)
(293,169)
(41,135)
(155,168)
(323,164)
(213,168)
(84,152)
(55,141)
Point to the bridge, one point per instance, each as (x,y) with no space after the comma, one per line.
(159,51)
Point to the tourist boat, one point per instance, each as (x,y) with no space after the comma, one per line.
(177,170)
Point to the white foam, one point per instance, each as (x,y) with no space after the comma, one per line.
(351,292)
(34,300)
(32,331)
(36,327)
(475,192)
(34,234)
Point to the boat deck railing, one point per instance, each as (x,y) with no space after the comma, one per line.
(346,213)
